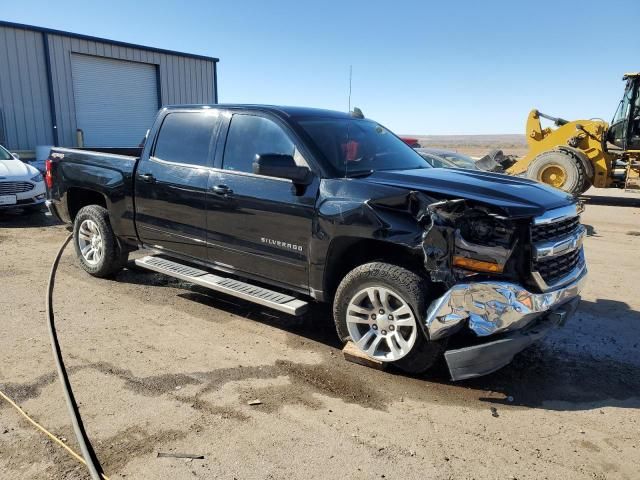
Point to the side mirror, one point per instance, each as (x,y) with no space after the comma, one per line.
(16,156)
(281,166)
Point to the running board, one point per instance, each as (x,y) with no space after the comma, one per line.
(262,296)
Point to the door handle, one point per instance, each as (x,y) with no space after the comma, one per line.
(147,177)
(223,190)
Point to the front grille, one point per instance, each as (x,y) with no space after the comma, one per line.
(10,188)
(555,230)
(553,269)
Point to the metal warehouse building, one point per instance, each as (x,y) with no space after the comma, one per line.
(59,88)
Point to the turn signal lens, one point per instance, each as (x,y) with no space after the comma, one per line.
(476,265)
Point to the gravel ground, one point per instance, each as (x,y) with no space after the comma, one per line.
(159,365)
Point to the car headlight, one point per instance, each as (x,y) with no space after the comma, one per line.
(483,243)
(486,230)
(38,178)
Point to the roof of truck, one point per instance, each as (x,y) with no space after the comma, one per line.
(280,110)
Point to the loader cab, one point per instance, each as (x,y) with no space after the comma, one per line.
(624,131)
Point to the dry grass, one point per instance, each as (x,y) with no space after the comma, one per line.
(475,145)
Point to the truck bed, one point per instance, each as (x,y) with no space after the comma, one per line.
(105,172)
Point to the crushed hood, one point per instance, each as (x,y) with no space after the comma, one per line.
(12,169)
(517,197)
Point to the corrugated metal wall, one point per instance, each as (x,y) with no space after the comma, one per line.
(182,79)
(24,98)
(25,119)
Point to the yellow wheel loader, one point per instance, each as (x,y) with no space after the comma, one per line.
(578,154)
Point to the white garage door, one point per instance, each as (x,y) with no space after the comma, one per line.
(116,101)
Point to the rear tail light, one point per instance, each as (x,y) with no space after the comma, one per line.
(48,178)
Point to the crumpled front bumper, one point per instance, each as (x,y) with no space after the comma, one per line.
(496,308)
(493,307)
(484,358)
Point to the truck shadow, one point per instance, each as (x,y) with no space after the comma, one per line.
(611,201)
(545,375)
(591,362)
(556,380)
(26,219)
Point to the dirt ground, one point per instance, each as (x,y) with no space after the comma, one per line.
(158,365)
(476,145)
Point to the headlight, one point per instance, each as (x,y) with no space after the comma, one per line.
(38,178)
(483,242)
(486,230)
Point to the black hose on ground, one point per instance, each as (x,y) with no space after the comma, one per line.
(85,445)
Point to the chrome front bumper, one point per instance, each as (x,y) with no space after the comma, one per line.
(487,357)
(493,307)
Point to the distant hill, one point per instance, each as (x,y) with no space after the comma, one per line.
(476,145)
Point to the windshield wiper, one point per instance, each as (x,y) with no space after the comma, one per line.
(359,173)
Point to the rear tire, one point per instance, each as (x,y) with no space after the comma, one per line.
(559,169)
(96,245)
(356,316)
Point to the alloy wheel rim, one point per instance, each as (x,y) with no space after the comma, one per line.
(381,324)
(90,242)
(553,175)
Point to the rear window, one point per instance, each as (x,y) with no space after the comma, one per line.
(186,137)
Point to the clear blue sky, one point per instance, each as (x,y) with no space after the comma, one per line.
(457,67)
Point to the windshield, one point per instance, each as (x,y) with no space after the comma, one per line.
(459,160)
(444,159)
(356,146)
(4,154)
(436,161)
(623,107)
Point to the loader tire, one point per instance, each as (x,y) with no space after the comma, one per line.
(561,170)
(586,185)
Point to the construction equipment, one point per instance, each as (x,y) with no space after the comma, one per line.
(578,154)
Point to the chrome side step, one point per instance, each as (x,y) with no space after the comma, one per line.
(262,296)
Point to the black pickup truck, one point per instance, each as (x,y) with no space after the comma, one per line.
(282,206)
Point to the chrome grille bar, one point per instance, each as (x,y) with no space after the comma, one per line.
(8,188)
(557,257)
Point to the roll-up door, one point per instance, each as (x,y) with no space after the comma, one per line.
(115,100)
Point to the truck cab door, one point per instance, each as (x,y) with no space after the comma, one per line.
(171,183)
(257,225)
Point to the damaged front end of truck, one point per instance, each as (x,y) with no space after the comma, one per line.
(487,264)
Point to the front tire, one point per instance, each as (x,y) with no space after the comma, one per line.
(378,306)
(96,244)
(561,170)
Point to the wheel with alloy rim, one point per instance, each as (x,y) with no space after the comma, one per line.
(96,245)
(376,307)
(90,242)
(381,324)
(559,169)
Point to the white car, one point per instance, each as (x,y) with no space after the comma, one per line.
(21,185)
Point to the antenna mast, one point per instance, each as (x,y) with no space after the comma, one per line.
(350,75)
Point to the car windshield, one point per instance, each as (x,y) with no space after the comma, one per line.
(436,161)
(4,154)
(357,146)
(459,160)
(444,159)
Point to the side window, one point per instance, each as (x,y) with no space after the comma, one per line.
(250,135)
(185,137)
